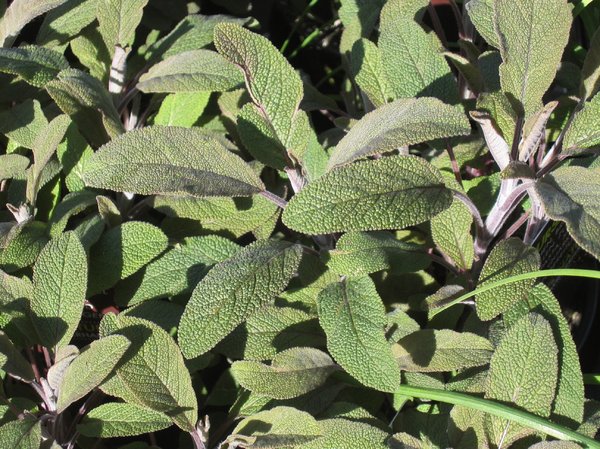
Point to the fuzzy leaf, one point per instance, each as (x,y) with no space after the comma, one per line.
(21,434)
(570,194)
(19,14)
(191,71)
(451,232)
(122,251)
(23,123)
(182,109)
(118,20)
(590,73)
(389,193)
(481,13)
(64,22)
(353,317)
(292,373)
(36,65)
(12,362)
(347,434)
(171,160)
(59,284)
(232,290)
(116,419)
(508,258)
(153,373)
(368,72)
(12,165)
(431,350)
(531,50)
(583,132)
(402,122)
(90,368)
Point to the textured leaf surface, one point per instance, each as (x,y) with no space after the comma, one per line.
(292,373)
(451,232)
(431,350)
(90,368)
(118,20)
(191,71)
(171,160)
(232,290)
(59,284)
(523,370)
(12,165)
(590,73)
(66,21)
(23,122)
(570,397)
(19,14)
(117,419)
(531,50)
(402,122)
(571,195)
(508,258)
(481,13)
(22,434)
(36,65)
(182,109)
(153,373)
(389,193)
(368,72)
(181,268)
(583,132)
(353,317)
(11,360)
(343,433)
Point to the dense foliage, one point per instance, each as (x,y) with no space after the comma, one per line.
(301,224)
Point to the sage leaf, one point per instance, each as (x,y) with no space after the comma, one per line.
(12,362)
(353,317)
(430,350)
(570,195)
(23,123)
(117,419)
(590,73)
(19,14)
(191,71)
(65,21)
(59,284)
(292,373)
(12,165)
(508,258)
(348,434)
(400,123)
(171,160)
(583,132)
(451,232)
(90,368)
(21,434)
(181,109)
(153,373)
(367,68)
(389,193)
(118,20)
(481,13)
(232,290)
(35,65)
(63,358)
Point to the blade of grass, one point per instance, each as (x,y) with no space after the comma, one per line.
(591,379)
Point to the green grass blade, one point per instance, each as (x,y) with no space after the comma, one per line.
(591,379)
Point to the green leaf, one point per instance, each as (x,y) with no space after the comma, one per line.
(481,13)
(412,59)
(73,153)
(508,258)
(12,362)
(21,434)
(19,14)
(191,71)
(280,427)
(451,232)
(523,371)
(64,22)
(24,243)
(402,122)
(368,72)
(272,82)
(36,65)
(531,50)
(570,195)
(179,270)
(71,204)
(59,284)
(353,317)
(430,350)
(90,368)
(343,433)
(590,73)
(570,397)
(292,373)
(118,20)
(13,166)
(116,419)
(153,373)
(583,132)
(92,53)
(232,290)
(182,109)
(389,193)
(171,160)
(360,253)
(23,122)
(122,251)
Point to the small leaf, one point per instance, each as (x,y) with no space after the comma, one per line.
(182,109)
(292,373)
(59,285)
(90,368)
(118,20)
(63,358)
(590,73)
(191,71)
(583,132)
(19,14)
(431,350)
(171,160)
(343,433)
(353,317)
(451,232)
(389,193)
(36,65)
(116,419)
(570,195)
(508,258)
(232,290)
(21,434)
(12,362)
(368,72)
(64,22)
(493,137)
(402,122)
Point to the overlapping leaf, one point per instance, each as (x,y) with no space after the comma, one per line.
(116,419)
(19,14)
(118,20)
(451,232)
(36,65)
(583,132)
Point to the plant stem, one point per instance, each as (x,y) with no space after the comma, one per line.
(455,167)
(297,23)
(197,439)
(277,200)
